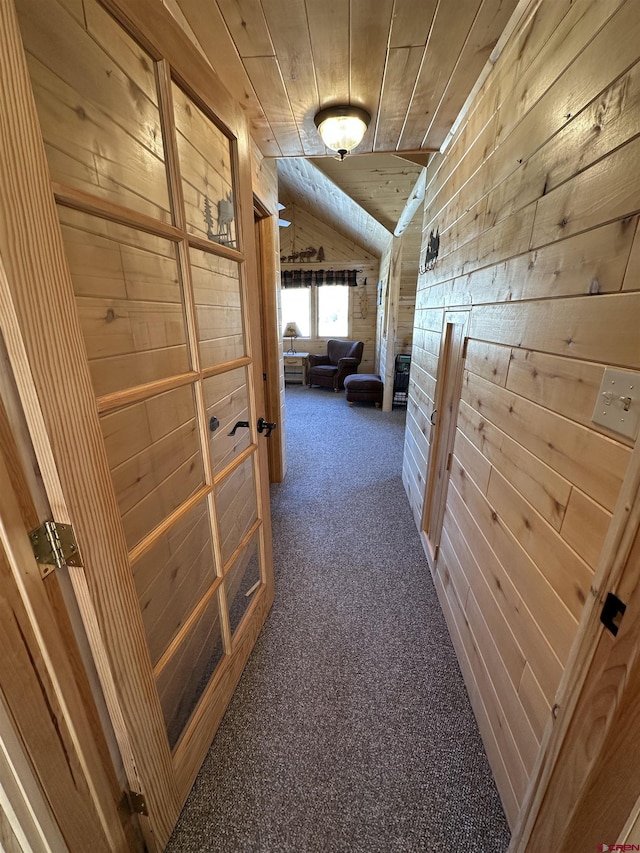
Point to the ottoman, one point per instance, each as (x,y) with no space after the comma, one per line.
(364,387)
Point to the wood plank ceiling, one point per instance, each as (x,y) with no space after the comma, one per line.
(410,63)
(379,183)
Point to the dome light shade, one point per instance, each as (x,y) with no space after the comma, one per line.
(342,128)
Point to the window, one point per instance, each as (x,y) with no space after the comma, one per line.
(296,308)
(333,311)
(320,312)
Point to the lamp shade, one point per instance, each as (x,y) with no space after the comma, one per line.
(342,128)
(291,330)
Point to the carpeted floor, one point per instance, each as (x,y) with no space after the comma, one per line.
(351,730)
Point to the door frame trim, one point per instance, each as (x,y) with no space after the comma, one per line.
(266,240)
(457,317)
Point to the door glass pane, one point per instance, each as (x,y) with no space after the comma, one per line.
(129,301)
(154,455)
(184,677)
(227,401)
(96,98)
(173,576)
(242,582)
(205,165)
(236,507)
(216,289)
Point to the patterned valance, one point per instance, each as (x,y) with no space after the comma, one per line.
(307,278)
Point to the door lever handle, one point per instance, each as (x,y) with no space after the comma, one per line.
(266,427)
(239,424)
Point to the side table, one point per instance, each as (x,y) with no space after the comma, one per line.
(295,367)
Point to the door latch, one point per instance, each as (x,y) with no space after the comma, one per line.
(266,427)
(612,613)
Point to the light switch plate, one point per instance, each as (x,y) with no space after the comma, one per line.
(618,403)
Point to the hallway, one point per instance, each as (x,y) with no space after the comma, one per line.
(351,729)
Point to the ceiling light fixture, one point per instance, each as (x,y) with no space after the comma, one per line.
(342,128)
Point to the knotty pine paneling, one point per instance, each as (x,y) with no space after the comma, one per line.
(307,232)
(536,201)
(406,308)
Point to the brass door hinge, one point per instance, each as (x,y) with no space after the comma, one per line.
(54,545)
(137,803)
(132,802)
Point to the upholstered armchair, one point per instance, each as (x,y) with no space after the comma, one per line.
(342,359)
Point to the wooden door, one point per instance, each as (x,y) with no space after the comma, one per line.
(585,790)
(131,314)
(444,418)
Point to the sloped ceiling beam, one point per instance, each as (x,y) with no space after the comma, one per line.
(303,183)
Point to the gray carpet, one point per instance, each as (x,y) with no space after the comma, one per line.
(351,729)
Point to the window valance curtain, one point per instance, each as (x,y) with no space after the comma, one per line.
(307,278)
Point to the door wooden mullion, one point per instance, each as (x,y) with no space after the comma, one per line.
(184,631)
(137,393)
(167,523)
(167,113)
(79,200)
(177,205)
(76,199)
(172,161)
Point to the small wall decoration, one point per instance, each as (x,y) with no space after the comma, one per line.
(225,220)
(364,300)
(379,297)
(305,256)
(208,218)
(433,247)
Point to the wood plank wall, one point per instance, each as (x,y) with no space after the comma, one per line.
(395,316)
(339,253)
(381,302)
(408,285)
(536,200)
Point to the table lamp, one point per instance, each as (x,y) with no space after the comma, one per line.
(292,331)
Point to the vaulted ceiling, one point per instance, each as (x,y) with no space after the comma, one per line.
(362,197)
(410,63)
